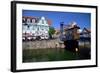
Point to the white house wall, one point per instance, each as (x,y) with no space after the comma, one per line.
(37,29)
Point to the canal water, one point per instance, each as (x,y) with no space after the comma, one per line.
(43,55)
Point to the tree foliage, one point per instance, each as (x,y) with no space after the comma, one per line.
(51,30)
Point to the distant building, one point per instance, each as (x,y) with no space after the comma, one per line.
(85,37)
(71,31)
(70,36)
(35,28)
(85,33)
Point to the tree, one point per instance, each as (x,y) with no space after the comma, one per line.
(51,31)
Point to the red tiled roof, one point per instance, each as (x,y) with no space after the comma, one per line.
(49,22)
(30,17)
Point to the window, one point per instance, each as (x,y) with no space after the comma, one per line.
(28,20)
(38,28)
(23,20)
(42,21)
(33,20)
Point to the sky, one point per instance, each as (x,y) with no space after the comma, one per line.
(82,19)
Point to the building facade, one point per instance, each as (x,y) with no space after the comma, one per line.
(35,28)
(70,31)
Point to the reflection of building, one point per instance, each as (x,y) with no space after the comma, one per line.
(34,27)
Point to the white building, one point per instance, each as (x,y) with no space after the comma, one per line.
(35,28)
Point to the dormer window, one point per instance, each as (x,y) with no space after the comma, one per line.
(42,21)
(33,20)
(23,20)
(28,20)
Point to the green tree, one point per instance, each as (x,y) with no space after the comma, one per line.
(51,31)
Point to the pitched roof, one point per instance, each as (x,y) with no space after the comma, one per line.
(38,18)
(30,17)
(49,21)
(85,31)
